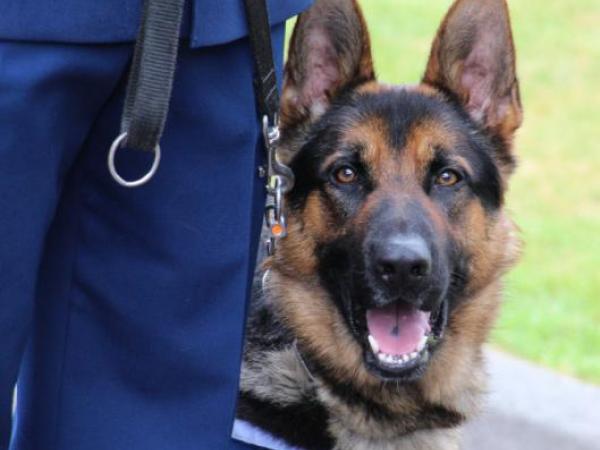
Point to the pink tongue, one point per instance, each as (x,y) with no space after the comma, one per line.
(398,328)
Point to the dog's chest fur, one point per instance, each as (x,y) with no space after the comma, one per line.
(379,169)
(308,409)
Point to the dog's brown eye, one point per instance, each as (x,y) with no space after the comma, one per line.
(345,175)
(447,177)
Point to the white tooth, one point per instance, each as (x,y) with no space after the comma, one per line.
(422,343)
(413,355)
(381,356)
(405,358)
(374,344)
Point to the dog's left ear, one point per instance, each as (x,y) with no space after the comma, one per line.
(329,52)
(473,57)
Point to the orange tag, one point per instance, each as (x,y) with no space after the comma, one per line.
(277,230)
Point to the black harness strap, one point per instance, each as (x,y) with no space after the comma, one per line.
(265,81)
(151,74)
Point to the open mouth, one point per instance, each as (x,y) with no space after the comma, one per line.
(400,338)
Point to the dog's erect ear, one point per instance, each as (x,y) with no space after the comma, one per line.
(329,51)
(473,57)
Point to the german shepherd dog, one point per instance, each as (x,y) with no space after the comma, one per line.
(367,325)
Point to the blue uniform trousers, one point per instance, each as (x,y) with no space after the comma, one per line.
(129,302)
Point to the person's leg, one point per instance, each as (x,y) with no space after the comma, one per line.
(153,281)
(49,97)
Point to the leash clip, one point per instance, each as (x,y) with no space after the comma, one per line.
(280,180)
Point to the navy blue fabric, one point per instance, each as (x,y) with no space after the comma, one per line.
(207,22)
(140,296)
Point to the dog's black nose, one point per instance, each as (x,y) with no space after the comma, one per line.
(401,261)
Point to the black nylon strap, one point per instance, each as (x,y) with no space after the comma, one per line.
(151,75)
(265,81)
(153,66)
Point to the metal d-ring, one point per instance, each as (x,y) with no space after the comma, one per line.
(113,170)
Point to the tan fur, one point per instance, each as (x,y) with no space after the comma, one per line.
(370,134)
(456,375)
(455,378)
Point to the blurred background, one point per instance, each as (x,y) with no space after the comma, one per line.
(551,313)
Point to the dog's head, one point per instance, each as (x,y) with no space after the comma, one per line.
(397,209)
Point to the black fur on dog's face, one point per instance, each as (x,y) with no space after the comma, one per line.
(395,169)
(398,189)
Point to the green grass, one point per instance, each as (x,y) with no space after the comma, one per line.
(551,313)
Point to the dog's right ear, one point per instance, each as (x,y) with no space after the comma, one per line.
(329,51)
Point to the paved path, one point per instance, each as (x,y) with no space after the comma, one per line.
(531,408)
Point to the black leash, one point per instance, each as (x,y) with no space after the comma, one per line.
(265,80)
(149,92)
(280,178)
(151,74)
(150,83)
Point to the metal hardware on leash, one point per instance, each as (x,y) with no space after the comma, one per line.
(280,180)
(149,84)
(115,174)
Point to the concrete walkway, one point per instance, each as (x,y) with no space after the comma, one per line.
(531,408)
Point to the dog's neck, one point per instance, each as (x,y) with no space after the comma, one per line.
(447,394)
